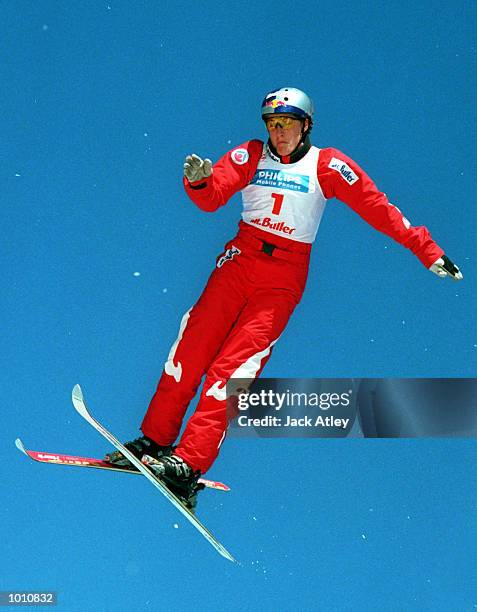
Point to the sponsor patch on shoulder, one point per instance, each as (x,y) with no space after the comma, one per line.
(345,171)
(239,156)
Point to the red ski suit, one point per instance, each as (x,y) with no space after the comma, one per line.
(258,280)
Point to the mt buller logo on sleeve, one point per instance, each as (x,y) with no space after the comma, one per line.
(239,156)
(345,171)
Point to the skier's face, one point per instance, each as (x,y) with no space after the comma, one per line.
(285,135)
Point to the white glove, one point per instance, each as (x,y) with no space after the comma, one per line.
(445,267)
(196,168)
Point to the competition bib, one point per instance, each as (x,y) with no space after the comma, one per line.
(285,199)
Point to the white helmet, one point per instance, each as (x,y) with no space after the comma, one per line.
(288,100)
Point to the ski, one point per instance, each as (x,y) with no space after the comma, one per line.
(92,462)
(80,406)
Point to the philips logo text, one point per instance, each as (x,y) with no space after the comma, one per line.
(282,180)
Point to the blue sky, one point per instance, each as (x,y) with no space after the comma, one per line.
(102,253)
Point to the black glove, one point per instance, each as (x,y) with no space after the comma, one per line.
(445,267)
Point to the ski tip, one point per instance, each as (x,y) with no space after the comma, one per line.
(77,397)
(79,403)
(19,444)
(77,392)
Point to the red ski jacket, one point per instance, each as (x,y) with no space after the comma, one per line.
(346,181)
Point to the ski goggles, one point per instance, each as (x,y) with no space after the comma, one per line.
(285,123)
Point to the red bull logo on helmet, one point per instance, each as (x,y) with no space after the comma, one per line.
(274,102)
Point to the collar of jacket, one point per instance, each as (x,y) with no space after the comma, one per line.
(300,152)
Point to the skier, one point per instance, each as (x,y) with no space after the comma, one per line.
(258,279)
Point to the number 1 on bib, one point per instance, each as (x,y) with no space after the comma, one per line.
(278,197)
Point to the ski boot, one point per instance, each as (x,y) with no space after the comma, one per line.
(178,477)
(138,448)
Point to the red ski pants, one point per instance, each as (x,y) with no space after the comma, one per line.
(229,333)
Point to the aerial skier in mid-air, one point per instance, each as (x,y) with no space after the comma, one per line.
(258,279)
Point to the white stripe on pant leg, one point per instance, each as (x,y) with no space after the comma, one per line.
(248,369)
(169,367)
(222,439)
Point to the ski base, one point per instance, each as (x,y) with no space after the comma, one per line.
(92,462)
